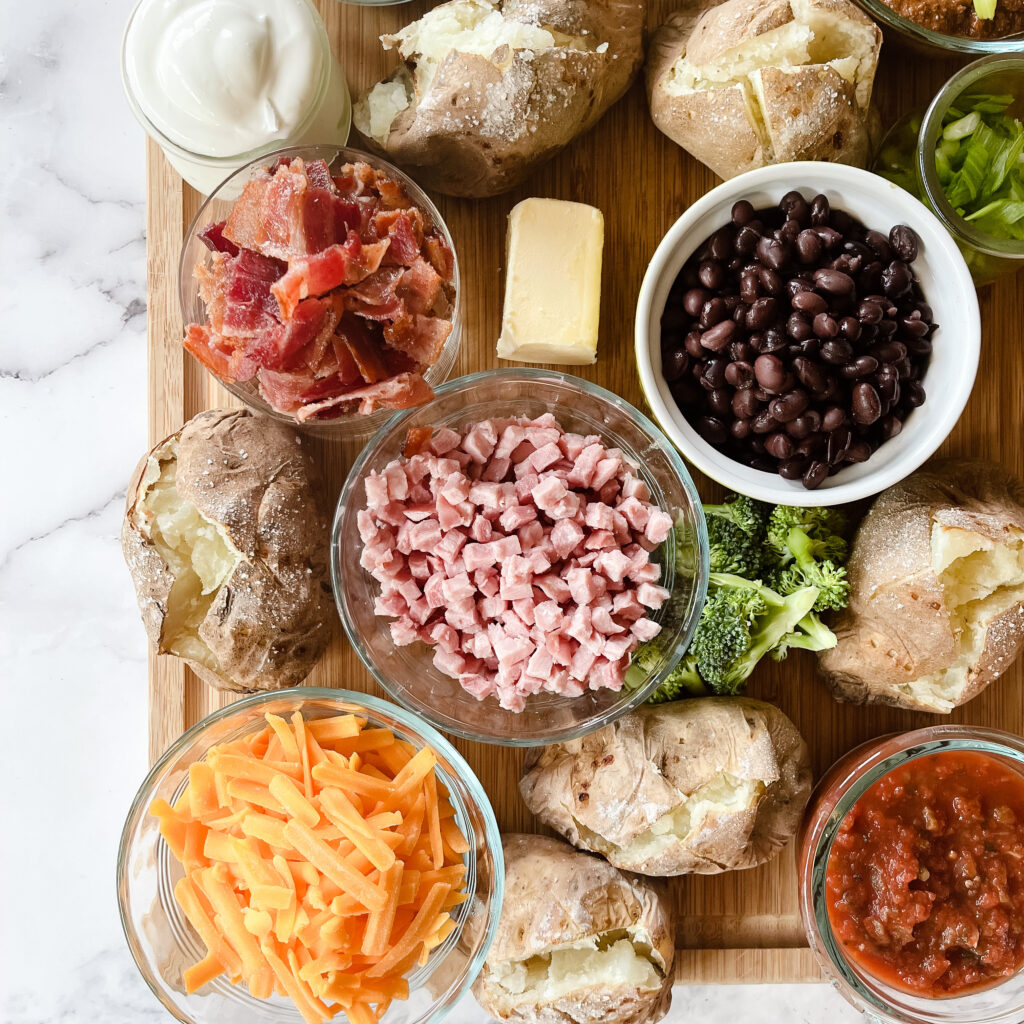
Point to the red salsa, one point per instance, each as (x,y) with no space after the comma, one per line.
(925,879)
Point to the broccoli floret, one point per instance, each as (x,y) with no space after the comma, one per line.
(683,681)
(736,535)
(809,568)
(741,622)
(825,527)
(811,634)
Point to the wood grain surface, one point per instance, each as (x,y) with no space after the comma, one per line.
(739,927)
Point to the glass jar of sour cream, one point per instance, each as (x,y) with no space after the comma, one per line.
(218,83)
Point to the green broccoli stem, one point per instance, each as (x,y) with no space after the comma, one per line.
(797,606)
(811,634)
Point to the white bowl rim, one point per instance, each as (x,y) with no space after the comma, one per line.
(959,293)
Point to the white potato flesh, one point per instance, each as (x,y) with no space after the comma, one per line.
(197,552)
(607,960)
(381,105)
(980,581)
(721,795)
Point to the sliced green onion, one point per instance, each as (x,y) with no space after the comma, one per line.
(985,8)
(962,127)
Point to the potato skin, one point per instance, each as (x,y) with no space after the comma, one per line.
(555,895)
(616,782)
(897,627)
(272,618)
(812,114)
(463,142)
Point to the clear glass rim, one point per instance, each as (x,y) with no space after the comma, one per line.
(825,815)
(640,694)
(165,142)
(928,137)
(938,40)
(422,729)
(330,153)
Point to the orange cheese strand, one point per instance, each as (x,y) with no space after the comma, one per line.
(322,862)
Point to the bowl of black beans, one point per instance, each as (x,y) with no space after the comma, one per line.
(807,333)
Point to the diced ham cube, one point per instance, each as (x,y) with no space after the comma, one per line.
(645,629)
(433,590)
(613,564)
(514,626)
(444,636)
(565,536)
(524,608)
(530,535)
(634,487)
(585,586)
(541,663)
(397,482)
(480,646)
(403,631)
(511,650)
(476,685)
(600,539)
(449,662)
(479,556)
(636,513)
(480,441)
(582,662)
(455,488)
(599,516)
(425,536)
(604,623)
(607,674)
(493,606)
(391,604)
(518,515)
(659,526)
(481,530)
(451,544)
(548,493)
(583,469)
(651,596)
(616,648)
(487,581)
(605,471)
(626,606)
(444,440)
(419,610)
(376,491)
(561,648)
(458,588)
(544,457)
(511,437)
(496,470)
(525,483)
(554,587)
(572,445)
(548,616)
(539,561)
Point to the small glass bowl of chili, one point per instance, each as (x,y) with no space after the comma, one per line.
(912,877)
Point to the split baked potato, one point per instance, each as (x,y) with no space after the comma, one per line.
(488,89)
(936,577)
(228,551)
(696,786)
(578,941)
(754,82)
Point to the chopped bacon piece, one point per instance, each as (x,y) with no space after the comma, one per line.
(212,236)
(362,348)
(316,274)
(400,392)
(441,257)
(404,229)
(319,175)
(208,347)
(421,338)
(420,286)
(249,304)
(417,441)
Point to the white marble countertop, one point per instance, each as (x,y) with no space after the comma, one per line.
(72,426)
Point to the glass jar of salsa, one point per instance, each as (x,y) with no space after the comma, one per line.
(912,877)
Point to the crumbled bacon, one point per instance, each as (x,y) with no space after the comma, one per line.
(334,293)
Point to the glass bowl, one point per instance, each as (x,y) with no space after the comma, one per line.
(217,207)
(928,40)
(907,156)
(164,944)
(407,672)
(833,798)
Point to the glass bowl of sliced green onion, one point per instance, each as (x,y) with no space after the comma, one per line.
(964,157)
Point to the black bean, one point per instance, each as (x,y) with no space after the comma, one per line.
(778,446)
(918,346)
(790,405)
(739,375)
(811,446)
(890,425)
(859,451)
(742,352)
(739,312)
(809,246)
(740,429)
(712,429)
(746,240)
(913,393)
(811,348)
(745,404)
(830,238)
(694,299)
(762,313)
(903,240)
(714,373)
(896,279)
(904,368)
(914,326)
(820,210)
(888,383)
(793,469)
(721,244)
(814,475)
(789,231)
(761,395)
(711,274)
(742,212)
(825,326)
(773,340)
(865,404)
(712,312)
(720,402)
(838,443)
(764,423)
(889,351)
(719,337)
(879,245)
(862,366)
(810,374)
(805,425)
(770,372)
(836,351)
(870,277)
(871,311)
(675,364)
(849,328)
(750,286)
(693,346)
(798,327)
(771,282)
(834,281)
(810,303)
(772,253)
(834,416)
(795,207)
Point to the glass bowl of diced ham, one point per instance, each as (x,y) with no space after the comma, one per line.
(521,560)
(320,285)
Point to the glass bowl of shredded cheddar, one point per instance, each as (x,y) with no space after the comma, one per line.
(310,854)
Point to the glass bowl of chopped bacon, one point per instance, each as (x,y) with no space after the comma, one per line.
(306,855)
(521,560)
(320,285)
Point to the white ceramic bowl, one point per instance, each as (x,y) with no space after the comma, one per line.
(945,281)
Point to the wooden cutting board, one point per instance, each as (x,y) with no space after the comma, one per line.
(739,927)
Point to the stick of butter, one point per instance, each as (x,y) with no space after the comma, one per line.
(552,283)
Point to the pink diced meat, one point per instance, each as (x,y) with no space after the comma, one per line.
(645,629)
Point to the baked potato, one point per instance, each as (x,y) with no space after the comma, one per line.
(754,82)
(936,577)
(692,787)
(578,941)
(228,551)
(489,89)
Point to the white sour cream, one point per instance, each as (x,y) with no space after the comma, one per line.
(222,78)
